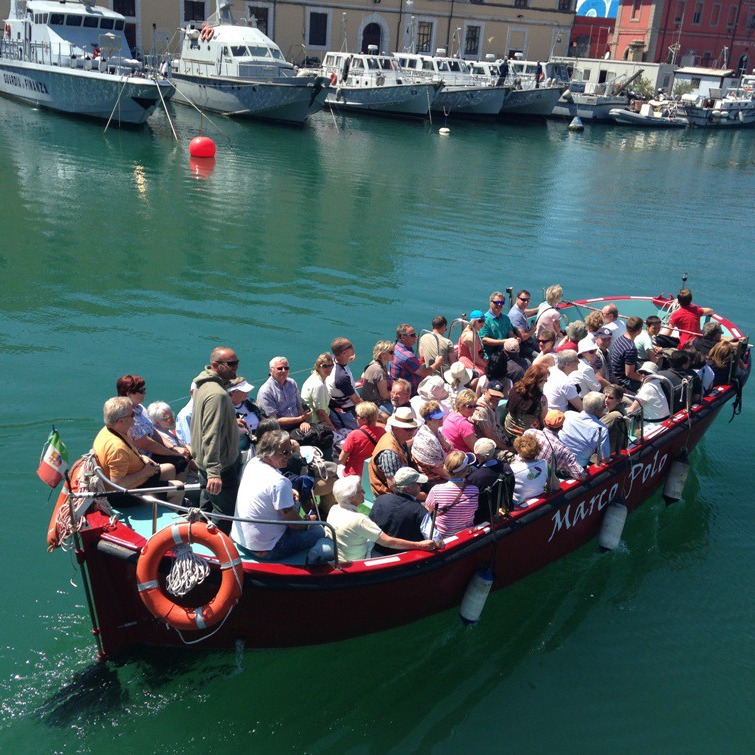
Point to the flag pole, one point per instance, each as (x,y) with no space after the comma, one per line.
(81,560)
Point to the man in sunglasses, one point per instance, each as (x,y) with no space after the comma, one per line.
(215,435)
(497,327)
(518,315)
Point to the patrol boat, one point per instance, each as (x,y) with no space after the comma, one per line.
(72,56)
(233,68)
(126,555)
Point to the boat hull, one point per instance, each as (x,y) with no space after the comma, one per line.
(480,102)
(527,102)
(401,100)
(288,101)
(588,107)
(80,92)
(283,606)
(629,118)
(738,117)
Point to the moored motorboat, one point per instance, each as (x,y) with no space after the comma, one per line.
(373,83)
(651,114)
(233,68)
(592,101)
(462,94)
(72,56)
(124,559)
(734,108)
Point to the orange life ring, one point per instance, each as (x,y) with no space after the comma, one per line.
(7,30)
(333,79)
(160,605)
(207,34)
(54,529)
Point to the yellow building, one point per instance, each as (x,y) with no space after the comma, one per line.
(536,28)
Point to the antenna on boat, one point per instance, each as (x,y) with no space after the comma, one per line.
(344,43)
(510,292)
(684,280)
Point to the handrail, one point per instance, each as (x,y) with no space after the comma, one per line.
(144,493)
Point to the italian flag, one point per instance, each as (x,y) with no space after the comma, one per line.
(54,460)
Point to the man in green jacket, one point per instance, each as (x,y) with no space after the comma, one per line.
(215,434)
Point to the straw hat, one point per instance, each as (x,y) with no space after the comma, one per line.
(432,388)
(458,373)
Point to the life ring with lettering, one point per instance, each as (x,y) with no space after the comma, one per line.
(165,609)
(333,79)
(207,34)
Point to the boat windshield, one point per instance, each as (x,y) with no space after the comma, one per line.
(73,20)
(238,51)
(260,52)
(372,63)
(386,64)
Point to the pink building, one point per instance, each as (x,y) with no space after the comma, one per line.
(711,33)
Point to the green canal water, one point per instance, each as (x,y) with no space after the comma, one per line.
(116,257)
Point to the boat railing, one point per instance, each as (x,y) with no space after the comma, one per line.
(192,512)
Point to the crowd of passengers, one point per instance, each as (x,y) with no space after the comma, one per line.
(449,431)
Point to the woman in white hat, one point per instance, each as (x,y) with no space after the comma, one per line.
(430,446)
(432,388)
(457,377)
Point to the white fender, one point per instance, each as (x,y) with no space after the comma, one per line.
(613,525)
(475,596)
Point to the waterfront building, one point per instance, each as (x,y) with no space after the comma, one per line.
(704,33)
(601,70)
(308,28)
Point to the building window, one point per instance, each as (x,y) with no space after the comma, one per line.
(125,7)
(679,18)
(715,14)
(733,13)
(317,35)
(472,41)
(520,3)
(193,10)
(695,83)
(636,7)
(565,5)
(585,74)
(424,36)
(261,17)
(697,16)
(705,61)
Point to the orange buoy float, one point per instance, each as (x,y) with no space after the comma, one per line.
(207,34)
(165,609)
(333,79)
(202,146)
(60,521)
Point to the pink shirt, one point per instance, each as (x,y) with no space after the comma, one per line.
(456,428)
(458,517)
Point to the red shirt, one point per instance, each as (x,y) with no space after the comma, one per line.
(687,318)
(359,448)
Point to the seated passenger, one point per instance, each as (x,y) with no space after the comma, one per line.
(651,398)
(687,317)
(376,381)
(360,443)
(487,476)
(457,426)
(340,382)
(246,410)
(560,459)
(699,365)
(315,393)
(121,461)
(495,369)
(143,434)
(430,389)
(615,418)
(392,450)
(647,351)
(398,513)
(593,322)
(454,503)
(546,341)
(624,358)
(485,419)
(725,363)
(497,327)
(471,353)
(530,473)
(603,372)
(612,322)
(264,493)
(584,376)
(548,315)
(435,344)
(527,404)
(518,315)
(516,364)
(584,434)
(575,332)
(559,388)
(183,418)
(405,363)
(686,385)
(165,423)
(430,446)
(356,532)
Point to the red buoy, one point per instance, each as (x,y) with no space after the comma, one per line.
(202,146)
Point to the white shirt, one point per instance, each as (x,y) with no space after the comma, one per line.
(263,492)
(653,401)
(617,329)
(355,532)
(559,389)
(584,377)
(530,478)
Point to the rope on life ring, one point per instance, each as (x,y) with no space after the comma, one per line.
(333,79)
(165,609)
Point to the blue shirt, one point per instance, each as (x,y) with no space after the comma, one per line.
(518,319)
(405,365)
(582,434)
(183,422)
(280,400)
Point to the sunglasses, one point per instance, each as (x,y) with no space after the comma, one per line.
(232,363)
(468,406)
(498,303)
(524,298)
(280,369)
(544,340)
(327,366)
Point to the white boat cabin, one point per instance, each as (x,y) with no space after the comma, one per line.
(224,47)
(67,33)
(707,82)
(360,69)
(438,67)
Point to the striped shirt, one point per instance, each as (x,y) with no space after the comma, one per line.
(555,452)
(449,521)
